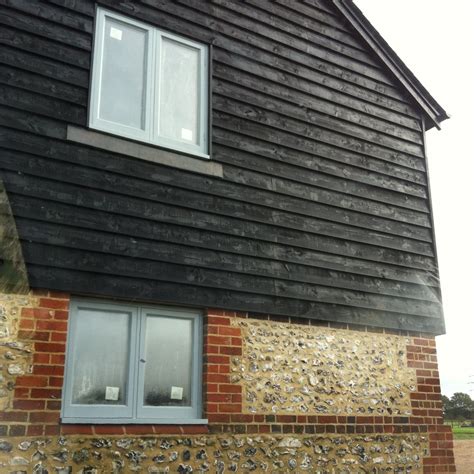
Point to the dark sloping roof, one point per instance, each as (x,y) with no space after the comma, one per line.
(435,114)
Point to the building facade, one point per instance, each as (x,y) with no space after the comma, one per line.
(217,241)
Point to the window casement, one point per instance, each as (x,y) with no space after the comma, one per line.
(149,85)
(132,364)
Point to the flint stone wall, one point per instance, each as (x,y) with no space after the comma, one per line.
(15,356)
(296,369)
(218,454)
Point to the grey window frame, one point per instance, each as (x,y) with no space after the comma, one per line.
(134,412)
(151,102)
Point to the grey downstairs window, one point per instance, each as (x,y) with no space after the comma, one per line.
(132,364)
(149,85)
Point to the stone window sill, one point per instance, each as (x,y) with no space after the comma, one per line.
(116,421)
(143,152)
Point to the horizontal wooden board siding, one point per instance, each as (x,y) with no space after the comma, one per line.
(323,208)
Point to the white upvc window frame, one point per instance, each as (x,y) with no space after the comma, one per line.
(152,89)
(134,411)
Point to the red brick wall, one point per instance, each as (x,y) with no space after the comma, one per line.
(222,399)
(37,395)
(427,406)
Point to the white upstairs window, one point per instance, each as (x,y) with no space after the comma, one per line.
(149,85)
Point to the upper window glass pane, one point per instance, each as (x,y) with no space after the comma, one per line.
(179,91)
(168,355)
(123,74)
(101,359)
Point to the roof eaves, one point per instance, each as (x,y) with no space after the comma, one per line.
(433,111)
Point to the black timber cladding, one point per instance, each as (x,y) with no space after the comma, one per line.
(323,209)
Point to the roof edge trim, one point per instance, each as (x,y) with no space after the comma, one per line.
(432,109)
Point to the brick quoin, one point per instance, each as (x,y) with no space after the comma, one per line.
(427,406)
(221,398)
(37,395)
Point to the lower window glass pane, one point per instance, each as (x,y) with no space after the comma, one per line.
(168,355)
(101,358)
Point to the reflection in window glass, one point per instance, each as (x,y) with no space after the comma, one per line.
(122,91)
(168,355)
(179,92)
(101,362)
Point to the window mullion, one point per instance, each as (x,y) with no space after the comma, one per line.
(141,366)
(131,364)
(150,77)
(135,357)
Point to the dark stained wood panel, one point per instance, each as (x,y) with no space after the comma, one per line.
(137,246)
(327,51)
(323,203)
(313,136)
(132,228)
(42,66)
(249,120)
(71,258)
(44,86)
(297,37)
(349,166)
(37,104)
(304,27)
(84,7)
(23,120)
(156,211)
(323,208)
(311,97)
(37,25)
(258,156)
(148,290)
(43,47)
(300,70)
(52,13)
(410,144)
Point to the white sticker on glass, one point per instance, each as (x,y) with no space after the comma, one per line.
(115,33)
(112,393)
(187,134)
(176,393)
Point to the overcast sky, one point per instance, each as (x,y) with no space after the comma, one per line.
(435,39)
